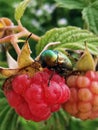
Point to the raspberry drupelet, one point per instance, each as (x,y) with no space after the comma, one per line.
(83,102)
(37,97)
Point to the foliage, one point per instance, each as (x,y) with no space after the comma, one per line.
(70,38)
(39,18)
(19,11)
(89,11)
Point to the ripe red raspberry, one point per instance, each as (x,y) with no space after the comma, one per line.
(20,83)
(11,94)
(35,98)
(83,102)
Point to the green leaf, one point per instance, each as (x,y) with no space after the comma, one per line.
(8,120)
(27,125)
(8,117)
(90,16)
(73,4)
(70,38)
(57,121)
(19,11)
(77,124)
(4,64)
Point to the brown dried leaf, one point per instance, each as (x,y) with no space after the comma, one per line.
(24,58)
(8,72)
(29,70)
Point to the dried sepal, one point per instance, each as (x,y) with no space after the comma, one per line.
(86,61)
(29,70)
(24,58)
(24,65)
(11,62)
(8,72)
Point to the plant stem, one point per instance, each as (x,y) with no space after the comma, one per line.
(15,45)
(18,32)
(13,28)
(25,32)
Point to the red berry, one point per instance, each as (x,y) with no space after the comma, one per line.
(55,108)
(40,110)
(23,110)
(65,93)
(35,98)
(13,98)
(20,83)
(52,92)
(34,93)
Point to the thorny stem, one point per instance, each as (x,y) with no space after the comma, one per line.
(18,32)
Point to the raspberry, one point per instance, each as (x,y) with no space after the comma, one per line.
(71,81)
(35,98)
(55,108)
(83,82)
(22,110)
(13,98)
(83,102)
(11,94)
(20,83)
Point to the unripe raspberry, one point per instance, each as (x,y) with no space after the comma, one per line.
(35,98)
(82,82)
(83,102)
(84,94)
(94,87)
(71,81)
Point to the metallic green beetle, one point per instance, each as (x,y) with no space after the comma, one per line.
(56,60)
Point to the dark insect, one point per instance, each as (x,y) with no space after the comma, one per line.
(54,60)
(57,61)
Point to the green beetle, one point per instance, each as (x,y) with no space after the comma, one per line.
(55,60)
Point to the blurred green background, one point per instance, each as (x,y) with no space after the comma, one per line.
(39,17)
